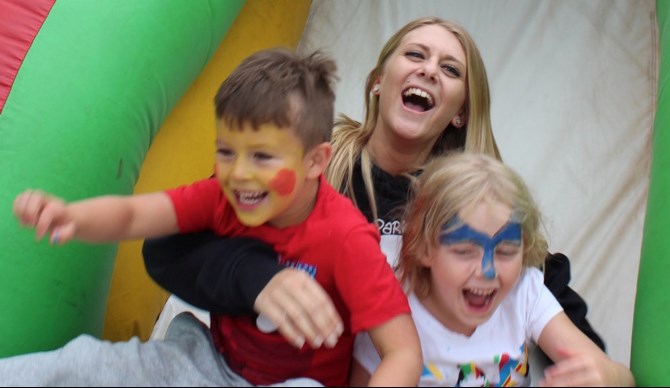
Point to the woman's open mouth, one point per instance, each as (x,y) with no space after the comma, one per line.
(417,99)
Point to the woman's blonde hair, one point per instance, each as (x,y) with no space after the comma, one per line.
(450,184)
(350,136)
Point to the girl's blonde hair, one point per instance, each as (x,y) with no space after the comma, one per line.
(450,184)
(350,136)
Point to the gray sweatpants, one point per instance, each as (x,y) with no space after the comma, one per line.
(186,357)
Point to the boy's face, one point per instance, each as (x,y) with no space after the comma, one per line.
(262,174)
(475,266)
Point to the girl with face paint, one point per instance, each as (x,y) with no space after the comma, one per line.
(470,259)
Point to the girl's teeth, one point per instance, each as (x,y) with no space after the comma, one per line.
(480,292)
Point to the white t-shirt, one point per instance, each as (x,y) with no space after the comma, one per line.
(496,354)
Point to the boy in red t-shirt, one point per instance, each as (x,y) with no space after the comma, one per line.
(274,122)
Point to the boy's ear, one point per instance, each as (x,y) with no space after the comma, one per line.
(317,159)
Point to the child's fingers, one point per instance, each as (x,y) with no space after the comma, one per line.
(272,313)
(316,316)
(571,380)
(19,208)
(274,319)
(297,314)
(62,234)
(47,216)
(27,207)
(577,370)
(283,324)
(310,310)
(297,306)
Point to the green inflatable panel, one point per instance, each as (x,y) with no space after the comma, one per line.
(651,325)
(93,90)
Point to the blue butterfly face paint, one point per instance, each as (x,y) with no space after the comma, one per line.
(509,233)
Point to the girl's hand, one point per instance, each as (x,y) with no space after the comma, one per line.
(577,369)
(579,362)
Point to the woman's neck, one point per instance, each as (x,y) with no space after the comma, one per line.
(396,156)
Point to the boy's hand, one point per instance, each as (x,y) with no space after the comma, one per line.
(36,209)
(297,306)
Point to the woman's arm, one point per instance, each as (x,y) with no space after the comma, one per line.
(557,278)
(217,274)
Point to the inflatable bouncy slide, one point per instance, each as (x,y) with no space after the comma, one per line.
(116,97)
(108,97)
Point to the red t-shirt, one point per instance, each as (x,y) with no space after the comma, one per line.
(337,246)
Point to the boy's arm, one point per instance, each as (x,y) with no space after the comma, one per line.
(99,219)
(578,361)
(397,342)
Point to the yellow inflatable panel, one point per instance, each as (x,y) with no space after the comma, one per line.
(183,151)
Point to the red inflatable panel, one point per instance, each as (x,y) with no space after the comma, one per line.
(20,21)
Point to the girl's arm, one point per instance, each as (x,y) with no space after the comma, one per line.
(359,376)
(398,345)
(578,361)
(99,219)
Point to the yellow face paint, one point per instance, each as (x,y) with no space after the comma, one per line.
(262,173)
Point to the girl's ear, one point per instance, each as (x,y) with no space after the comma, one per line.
(426,259)
(317,159)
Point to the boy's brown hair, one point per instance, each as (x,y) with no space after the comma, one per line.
(280,87)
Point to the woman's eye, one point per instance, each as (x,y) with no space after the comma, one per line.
(415,54)
(452,70)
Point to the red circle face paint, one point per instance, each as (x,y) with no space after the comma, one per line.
(284,182)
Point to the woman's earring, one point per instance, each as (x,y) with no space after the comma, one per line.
(458,121)
(375,89)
